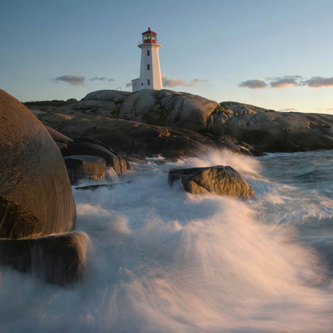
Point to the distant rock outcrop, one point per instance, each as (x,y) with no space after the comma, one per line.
(274,131)
(218,179)
(266,130)
(156,107)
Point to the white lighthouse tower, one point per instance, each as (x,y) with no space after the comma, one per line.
(150,70)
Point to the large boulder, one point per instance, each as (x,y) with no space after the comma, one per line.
(59,259)
(221,180)
(35,193)
(138,105)
(188,111)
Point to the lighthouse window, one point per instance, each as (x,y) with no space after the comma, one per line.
(148,82)
(148,53)
(148,67)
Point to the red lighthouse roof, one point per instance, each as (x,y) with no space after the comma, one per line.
(149,32)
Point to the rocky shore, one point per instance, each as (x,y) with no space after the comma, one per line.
(48,146)
(152,122)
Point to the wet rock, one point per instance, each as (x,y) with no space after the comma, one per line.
(59,259)
(221,180)
(86,148)
(85,167)
(94,187)
(35,193)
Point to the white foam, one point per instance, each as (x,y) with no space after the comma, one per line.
(168,261)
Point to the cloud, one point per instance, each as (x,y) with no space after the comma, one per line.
(253,84)
(330,109)
(289,81)
(101,79)
(195,82)
(74,80)
(275,83)
(174,82)
(319,82)
(129,84)
(286,81)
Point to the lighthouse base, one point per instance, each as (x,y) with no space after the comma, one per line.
(136,85)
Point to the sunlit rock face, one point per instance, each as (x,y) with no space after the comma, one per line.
(35,192)
(163,107)
(221,180)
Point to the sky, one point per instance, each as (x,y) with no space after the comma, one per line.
(272,54)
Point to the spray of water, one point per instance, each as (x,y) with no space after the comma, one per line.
(111,175)
(242,163)
(167,261)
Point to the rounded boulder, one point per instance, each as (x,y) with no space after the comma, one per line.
(35,192)
(219,179)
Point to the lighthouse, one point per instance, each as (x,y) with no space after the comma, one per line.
(150,70)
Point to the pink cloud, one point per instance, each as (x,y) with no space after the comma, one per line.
(174,82)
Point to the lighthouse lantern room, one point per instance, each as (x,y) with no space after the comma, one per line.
(150,70)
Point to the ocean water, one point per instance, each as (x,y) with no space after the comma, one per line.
(162,260)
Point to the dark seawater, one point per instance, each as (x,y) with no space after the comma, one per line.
(162,260)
